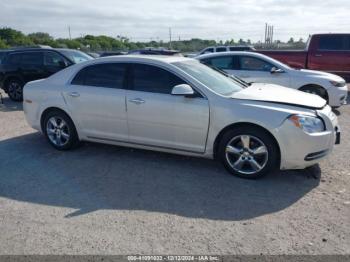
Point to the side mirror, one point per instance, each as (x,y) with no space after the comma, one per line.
(275,70)
(182,90)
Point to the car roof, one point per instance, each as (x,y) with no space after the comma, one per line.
(217,54)
(140,58)
(245,53)
(37,49)
(330,34)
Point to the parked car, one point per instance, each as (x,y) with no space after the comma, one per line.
(23,65)
(324,52)
(111,53)
(258,68)
(155,51)
(218,49)
(178,105)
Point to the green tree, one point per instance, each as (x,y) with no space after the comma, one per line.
(40,38)
(13,37)
(2,44)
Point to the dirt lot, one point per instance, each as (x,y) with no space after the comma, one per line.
(103,199)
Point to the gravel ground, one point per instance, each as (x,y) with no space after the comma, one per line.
(103,199)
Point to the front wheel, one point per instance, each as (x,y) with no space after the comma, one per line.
(248,152)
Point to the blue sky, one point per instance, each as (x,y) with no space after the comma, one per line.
(142,20)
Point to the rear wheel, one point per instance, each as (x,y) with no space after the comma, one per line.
(60,131)
(248,152)
(14,89)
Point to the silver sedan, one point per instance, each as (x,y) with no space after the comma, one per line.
(178,105)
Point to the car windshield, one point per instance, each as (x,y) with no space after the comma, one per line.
(212,79)
(76,56)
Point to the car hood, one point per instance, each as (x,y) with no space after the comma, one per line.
(281,95)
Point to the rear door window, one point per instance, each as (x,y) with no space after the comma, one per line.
(14,59)
(221,49)
(32,58)
(208,50)
(109,75)
(332,42)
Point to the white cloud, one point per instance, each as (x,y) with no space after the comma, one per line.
(145,19)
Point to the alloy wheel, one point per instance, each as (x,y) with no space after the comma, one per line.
(57,131)
(15,90)
(246,154)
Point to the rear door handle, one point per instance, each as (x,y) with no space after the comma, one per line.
(74,94)
(318,55)
(137,101)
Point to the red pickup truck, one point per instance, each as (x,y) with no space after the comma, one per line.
(324,52)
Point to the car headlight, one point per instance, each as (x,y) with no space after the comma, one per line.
(309,124)
(338,83)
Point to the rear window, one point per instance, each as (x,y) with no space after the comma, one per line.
(35,58)
(101,75)
(14,59)
(26,58)
(332,42)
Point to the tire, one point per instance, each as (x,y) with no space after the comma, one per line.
(60,130)
(238,152)
(316,90)
(14,88)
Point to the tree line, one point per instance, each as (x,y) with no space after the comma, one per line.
(10,38)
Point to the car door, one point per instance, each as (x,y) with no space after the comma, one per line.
(157,118)
(54,62)
(96,99)
(31,66)
(254,69)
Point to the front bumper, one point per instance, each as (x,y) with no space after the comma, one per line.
(299,149)
(337,96)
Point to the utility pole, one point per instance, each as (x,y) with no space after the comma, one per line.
(268,33)
(70,36)
(271,34)
(169,37)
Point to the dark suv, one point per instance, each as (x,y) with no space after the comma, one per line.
(23,65)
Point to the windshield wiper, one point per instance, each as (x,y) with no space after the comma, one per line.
(235,78)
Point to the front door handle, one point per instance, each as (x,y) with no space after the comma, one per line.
(74,94)
(137,101)
(318,55)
